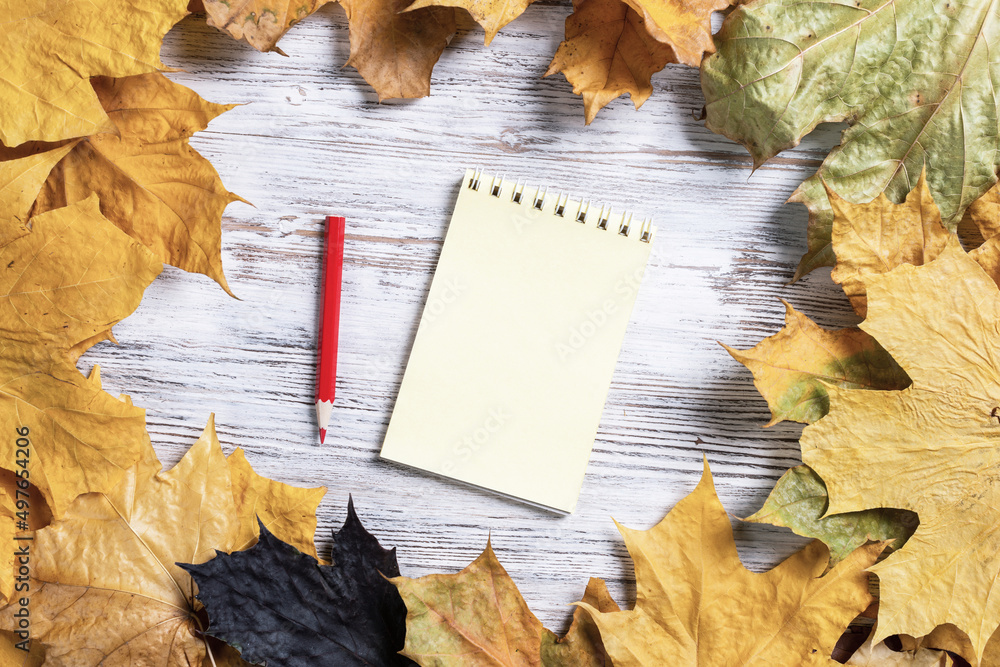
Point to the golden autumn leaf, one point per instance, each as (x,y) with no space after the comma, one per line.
(793,368)
(476,618)
(20,181)
(697,605)
(929,448)
(878,236)
(608,53)
(286,511)
(684,25)
(106,589)
(491,14)
(51,48)
(68,281)
(260,23)
(582,646)
(395,50)
(151,183)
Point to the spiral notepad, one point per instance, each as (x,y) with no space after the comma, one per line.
(518,340)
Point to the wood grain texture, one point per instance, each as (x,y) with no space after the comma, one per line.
(312,140)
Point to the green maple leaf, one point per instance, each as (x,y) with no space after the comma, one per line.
(915,79)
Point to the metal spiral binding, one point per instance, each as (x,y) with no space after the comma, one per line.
(515,194)
(623,228)
(561,204)
(540,197)
(497,184)
(474,181)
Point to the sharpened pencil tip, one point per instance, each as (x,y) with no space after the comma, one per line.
(322,436)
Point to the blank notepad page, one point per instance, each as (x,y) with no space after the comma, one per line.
(517,344)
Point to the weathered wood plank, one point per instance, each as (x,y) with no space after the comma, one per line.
(312,140)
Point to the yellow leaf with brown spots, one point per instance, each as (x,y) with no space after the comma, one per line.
(476,618)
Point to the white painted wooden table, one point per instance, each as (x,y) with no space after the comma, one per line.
(312,140)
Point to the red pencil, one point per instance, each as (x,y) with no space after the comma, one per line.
(329,323)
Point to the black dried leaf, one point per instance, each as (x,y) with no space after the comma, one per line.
(280,607)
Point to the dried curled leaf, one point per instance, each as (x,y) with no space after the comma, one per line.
(51,48)
(608,53)
(697,605)
(260,23)
(915,79)
(929,449)
(794,368)
(395,50)
(151,183)
(799,502)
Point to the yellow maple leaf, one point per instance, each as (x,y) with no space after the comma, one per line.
(288,512)
(66,283)
(697,605)
(929,448)
(878,236)
(20,181)
(260,23)
(395,50)
(105,585)
(793,368)
(151,183)
(51,48)
(686,25)
(607,53)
